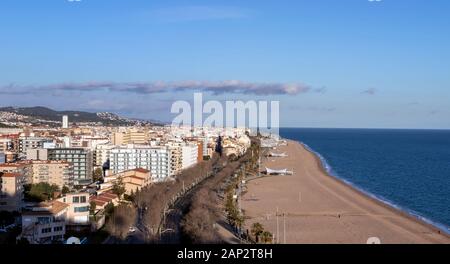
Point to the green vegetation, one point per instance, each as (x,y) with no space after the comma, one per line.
(257,230)
(65,189)
(119,187)
(109,209)
(129,197)
(92,207)
(97,175)
(40,192)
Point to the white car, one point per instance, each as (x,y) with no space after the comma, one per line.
(132,229)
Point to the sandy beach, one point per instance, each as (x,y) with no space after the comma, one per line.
(319,208)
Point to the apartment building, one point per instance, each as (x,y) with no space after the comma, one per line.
(45,223)
(78,208)
(37,154)
(9,142)
(101,154)
(6,143)
(189,155)
(56,172)
(23,168)
(11,191)
(81,160)
(31,143)
(130,136)
(156,159)
(175,159)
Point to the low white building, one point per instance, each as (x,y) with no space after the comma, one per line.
(45,224)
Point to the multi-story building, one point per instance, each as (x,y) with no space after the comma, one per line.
(130,136)
(81,160)
(65,122)
(23,168)
(45,224)
(175,159)
(56,172)
(189,155)
(156,159)
(78,208)
(6,143)
(31,143)
(37,154)
(101,154)
(11,191)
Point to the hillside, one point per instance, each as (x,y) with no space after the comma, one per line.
(40,113)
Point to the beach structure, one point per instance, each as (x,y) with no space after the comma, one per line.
(277,155)
(269,143)
(278,172)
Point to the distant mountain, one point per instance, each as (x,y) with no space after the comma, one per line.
(43,113)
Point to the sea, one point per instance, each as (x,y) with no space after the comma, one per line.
(407,169)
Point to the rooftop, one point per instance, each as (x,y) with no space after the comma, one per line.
(10,174)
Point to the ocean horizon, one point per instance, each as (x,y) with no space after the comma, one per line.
(407,169)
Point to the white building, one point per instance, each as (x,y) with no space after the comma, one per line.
(26,143)
(45,223)
(189,155)
(37,154)
(65,122)
(101,154)
(156,159)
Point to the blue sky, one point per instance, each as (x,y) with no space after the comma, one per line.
(353,63)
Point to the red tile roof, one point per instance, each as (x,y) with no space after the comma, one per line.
(141,170)
(11,174)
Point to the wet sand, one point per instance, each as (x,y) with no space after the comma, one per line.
(319,208)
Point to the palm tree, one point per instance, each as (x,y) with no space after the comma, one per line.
(266,237)
(257,230)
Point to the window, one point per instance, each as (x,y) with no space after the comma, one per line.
(46,230)
(82,199)
(81,209)
(57,228)
(76,199)
(43,220)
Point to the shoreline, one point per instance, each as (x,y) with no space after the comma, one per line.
(373,197)
(317,207)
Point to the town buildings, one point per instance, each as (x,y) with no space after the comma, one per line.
(58,172)
(11,191)
(81,160)
(44,223)
(156,159)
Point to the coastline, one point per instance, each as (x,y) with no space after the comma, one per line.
(328,210)
(374,198)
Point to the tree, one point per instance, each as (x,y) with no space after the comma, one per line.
(40,192)
(257,230)
(119,187)
(92,207)
(130,197)
(121,220)
(266,237)
(109,209)
(65,189)
(97,175)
